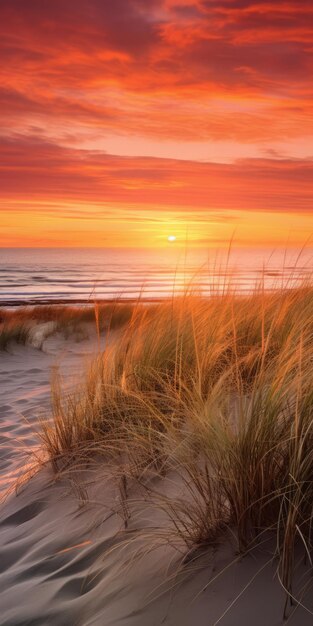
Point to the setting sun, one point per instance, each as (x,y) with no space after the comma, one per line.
(171,238)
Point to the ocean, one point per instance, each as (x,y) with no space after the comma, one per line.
(44,275)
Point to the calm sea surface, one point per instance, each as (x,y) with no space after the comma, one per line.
(47,275)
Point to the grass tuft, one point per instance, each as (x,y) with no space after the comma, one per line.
(17,325)
(217,393)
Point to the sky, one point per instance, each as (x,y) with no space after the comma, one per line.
(124,122)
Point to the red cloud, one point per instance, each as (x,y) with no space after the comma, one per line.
(41,171)
(229,68)
(227,71)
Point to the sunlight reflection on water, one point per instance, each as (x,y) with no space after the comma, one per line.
(88,274)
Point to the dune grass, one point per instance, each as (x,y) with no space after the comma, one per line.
(217,392)
(16,325)
(13,332)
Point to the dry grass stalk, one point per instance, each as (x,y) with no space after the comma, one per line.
(218,392)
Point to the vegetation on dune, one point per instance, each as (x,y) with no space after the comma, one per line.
(11,331)
(17,324)
(218,391)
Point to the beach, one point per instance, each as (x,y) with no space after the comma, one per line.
(94,541)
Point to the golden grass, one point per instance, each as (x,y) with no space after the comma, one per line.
(11,331)
(218,393)
(16,325)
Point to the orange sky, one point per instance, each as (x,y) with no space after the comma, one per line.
(124,122)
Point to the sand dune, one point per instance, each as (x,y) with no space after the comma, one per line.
(58,568)
(64,562)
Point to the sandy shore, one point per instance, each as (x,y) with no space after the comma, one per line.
(64,562)
(25,375)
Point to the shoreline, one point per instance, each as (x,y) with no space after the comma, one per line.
(9,304)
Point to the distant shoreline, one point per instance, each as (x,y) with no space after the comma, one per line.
(75,302)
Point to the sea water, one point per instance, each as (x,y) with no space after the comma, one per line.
(87,274)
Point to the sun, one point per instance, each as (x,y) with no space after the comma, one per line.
(171,238)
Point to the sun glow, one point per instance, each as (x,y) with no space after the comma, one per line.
(171,238)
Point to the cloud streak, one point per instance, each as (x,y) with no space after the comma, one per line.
(106,66)
(93,95)
(36,169)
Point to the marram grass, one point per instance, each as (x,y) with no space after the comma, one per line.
(16,325)
(218,392)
